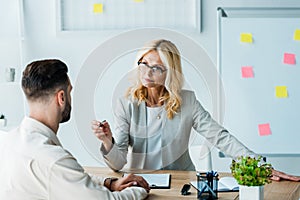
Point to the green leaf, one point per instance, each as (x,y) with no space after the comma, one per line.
(250,171)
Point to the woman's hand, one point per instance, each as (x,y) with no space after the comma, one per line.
(278,175)
(130,180)
(103,133)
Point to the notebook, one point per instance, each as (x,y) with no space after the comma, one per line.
(156,181)
(225,184)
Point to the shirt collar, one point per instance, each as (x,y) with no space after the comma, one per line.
(36,126)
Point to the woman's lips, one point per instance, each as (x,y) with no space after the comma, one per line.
(148,80)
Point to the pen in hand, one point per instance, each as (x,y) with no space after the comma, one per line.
(101,123)
(103,133)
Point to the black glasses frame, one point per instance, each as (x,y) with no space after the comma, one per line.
(153,68)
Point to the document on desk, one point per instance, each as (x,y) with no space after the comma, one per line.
(225,184)
(156,181)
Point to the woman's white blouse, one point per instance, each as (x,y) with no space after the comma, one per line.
(154,131)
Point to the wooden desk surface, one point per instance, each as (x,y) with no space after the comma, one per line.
(286,190)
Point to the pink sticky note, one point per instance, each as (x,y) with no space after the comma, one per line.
(264,129)
(289,58)
(247,72)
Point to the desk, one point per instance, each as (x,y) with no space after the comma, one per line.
(286,190)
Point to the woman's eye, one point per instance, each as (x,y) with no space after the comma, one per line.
(157,69)
(154,69)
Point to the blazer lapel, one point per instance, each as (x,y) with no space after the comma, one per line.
(138,134)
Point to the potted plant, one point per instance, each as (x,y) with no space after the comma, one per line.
(2,120)
(251,174)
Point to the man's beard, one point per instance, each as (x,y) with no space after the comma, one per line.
(66,113)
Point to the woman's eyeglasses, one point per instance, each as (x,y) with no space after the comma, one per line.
(156,70)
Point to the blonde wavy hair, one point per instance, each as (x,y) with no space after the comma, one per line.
(170,57)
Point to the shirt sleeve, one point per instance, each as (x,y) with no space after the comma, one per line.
(67,180)
(116,158)
(216,134)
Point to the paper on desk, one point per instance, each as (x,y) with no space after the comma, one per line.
(228,183)
(156,180)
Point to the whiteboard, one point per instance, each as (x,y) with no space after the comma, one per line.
(128,14)
(250,102)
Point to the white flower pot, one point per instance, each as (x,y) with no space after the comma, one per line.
(251,192)
(2,122)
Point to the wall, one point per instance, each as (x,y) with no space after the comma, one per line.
(42,41)
(11,103)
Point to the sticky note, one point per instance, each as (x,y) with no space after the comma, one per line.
(289,58)
(98,8)
(264,129)
(246,37)
(247,72)
(297,34)
(281,92)
(138,1)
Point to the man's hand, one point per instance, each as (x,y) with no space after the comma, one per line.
(278,175)
(130,180)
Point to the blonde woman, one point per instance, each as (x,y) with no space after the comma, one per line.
(154,119)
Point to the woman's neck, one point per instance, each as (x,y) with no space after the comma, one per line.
(154,95)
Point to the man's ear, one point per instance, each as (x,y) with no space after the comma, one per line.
(61,98)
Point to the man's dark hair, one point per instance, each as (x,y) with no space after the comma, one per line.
(44,77)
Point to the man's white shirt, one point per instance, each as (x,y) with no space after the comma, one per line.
(34,165)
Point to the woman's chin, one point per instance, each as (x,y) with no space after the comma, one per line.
(151,85)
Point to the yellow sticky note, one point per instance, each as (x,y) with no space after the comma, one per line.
(246,37)
(98,8)
(138,1)
(281,92)
(297,34)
